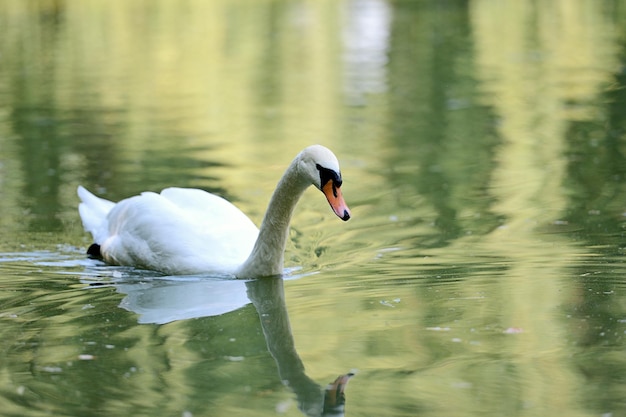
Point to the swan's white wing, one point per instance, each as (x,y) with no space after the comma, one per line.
(179,231)
(205,207)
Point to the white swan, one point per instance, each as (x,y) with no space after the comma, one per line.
(190,231)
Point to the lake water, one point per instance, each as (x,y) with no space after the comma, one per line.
(483,150)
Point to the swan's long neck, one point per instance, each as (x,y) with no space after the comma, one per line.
(267,255)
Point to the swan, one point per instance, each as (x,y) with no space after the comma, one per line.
(184,231)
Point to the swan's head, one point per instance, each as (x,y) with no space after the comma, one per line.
(321,167)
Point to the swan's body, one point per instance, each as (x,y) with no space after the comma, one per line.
(187,231)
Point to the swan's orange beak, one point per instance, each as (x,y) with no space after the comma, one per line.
(335,199)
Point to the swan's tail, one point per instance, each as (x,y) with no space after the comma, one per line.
(93,212)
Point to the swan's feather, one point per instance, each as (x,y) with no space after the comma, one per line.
(93,212)
(178,231)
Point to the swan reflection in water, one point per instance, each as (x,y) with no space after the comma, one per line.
(177,298)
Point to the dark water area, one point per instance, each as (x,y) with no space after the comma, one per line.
(482,146)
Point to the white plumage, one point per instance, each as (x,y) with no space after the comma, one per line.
(179,231)
(189,231)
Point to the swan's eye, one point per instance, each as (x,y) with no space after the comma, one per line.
(327,174)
